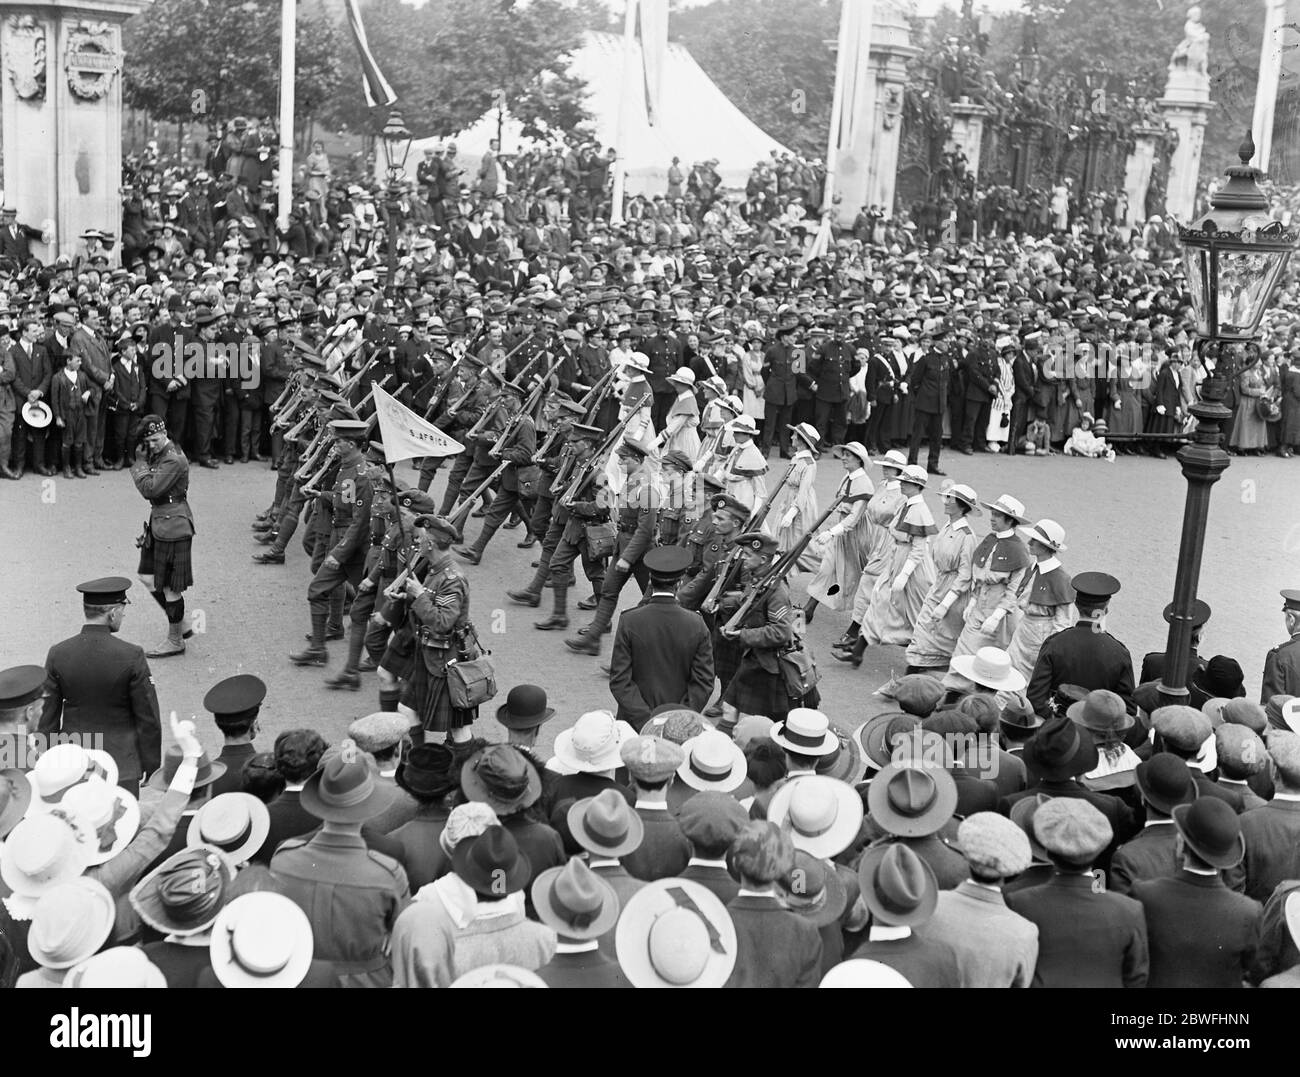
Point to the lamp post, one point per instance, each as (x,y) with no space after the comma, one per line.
(396,142)
(1233,258)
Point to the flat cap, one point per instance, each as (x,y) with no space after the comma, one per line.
(1244,712)
(1072,829)
(1184,728)
(1285,750)
(379,731)
(651,759)
(918,693)
(712,820)
(1240,752)
(993,844)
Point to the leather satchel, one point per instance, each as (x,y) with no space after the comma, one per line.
(601,539)
(799,671)
(530,481)
(471,677)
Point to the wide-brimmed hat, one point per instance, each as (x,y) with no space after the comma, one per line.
(37,413)
(65,765)
(860,972)
(893,458)
(209,770)
(714,762)
(525,708)
(184,894)
(1212,830)
(675,933)
(605,825)
(575,901)
(262,939)
(898,887)
(916,475)
(808,433)
(122,967)
(1008,506)
(743,424)
(1101,711)
(492,863)
(501,777)
(499,975)
(814,890)
(965,495)
(875,736)
(854,448)
(42,851)
(1060,749)
(343,789)
(845,763)
(912,801)
(429,771)
(823,815)
(235,823)
(15,799)
(1048,532)
(71,922)
(683,375)
(807,732)
(1018,716)
(592,744)
(990,667)
(108,814)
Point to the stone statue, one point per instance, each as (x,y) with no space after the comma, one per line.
(1193,52)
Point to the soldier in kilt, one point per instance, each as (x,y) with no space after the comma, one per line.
(162,475)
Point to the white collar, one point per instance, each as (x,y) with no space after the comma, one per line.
(887,933)
(1209,874)
(1158,822)
(915,499)
(746,892)
(1231,781)
(388,773)
(1004,534)
(605,862)
(203,938)
(959,524)
(294,787)
(699,861)
(650,805)
(857,472)
(577,947)
(1051,563)
(1286,796)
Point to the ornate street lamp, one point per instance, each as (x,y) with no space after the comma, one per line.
(396,142)
(1233,257)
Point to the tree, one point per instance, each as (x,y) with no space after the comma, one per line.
(210,60)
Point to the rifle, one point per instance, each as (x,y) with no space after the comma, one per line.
(355,380)
(595,396)
(292,386)
(596,462)
(309,485)
(525,408)
(756,519)
(462,512)
(777,570)
(441,394)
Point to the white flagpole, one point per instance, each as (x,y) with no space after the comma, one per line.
(1270,65)
(837,104)
(620,130)
(288,68)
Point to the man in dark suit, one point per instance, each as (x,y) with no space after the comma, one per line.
(981,375)
(664,851)
(662,652)
(125,402)
(780,389)
(927,383)
(1201,934)
(1272,833)
(1164,782)
(1086,936)
(1024,372)
(31,383)
(774,946)
(15,238)
(831,367)
(711,822)
(297,754)
(1085,654)
(234,704)
(581,908)
(98,686)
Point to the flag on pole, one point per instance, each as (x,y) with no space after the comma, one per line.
(378,92)
(654,44)
(406,435)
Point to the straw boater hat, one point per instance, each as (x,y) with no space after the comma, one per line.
(806,732)
(499,976)
(236,823)
(1008,506)
(1048,532)
(108,813)
(120,967)
(860,972)
(70,923)
(714,762)
(990,667)
(675,933)
(824,813)
(262,939)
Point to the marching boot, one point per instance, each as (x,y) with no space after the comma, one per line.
(334,622)
(526,597)
(559,618)
(587,641)
(349,676)
(315,653)
(175,642)
(594,601)
(809,609)
(846,641)
(853,657)
(389,698)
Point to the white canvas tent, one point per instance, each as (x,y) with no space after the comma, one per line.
(697,122)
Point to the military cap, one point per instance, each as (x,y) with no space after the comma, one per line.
(713,482)
(234,696)
(108,591)
(1200,613)
(677,459)
(152,424)
(667,561)
(375,453)
(380,731)
(352,429)
(651,759)
(439,525)
(993,844)
(727,503)
(1072,829)
(1240,752)
(1094,588)
(629,447)
(582,430)
(19,685)
(571,406)
(1291,600)
(758,542)
(1184,728)
(711,821)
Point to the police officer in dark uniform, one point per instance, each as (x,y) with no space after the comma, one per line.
(830,368)
(882,395)
(664,351)
(1282,663)
(1085,654)
(350,499)
(780,387)
(1153,662)
(928,386)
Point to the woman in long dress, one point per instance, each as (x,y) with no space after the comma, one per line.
(843,547)
(795,509)
(681,429)
(318,170)
(751,378)
(999,427)
(636,400)
(1249,431)
(1127,390)
(998,570)
(940,621)
(1079,390)
(1046,598)
(907,577)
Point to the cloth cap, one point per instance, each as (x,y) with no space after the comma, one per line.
(651,759)
(379,731)
(1072,829)
(1184,728)
(1285,751)
(1241,753)
(711,821)
(993,844)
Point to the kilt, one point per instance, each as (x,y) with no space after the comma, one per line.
(395,652)
(168,562)
(427,695)
(755,691)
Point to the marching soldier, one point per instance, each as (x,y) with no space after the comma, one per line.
(1282,663)
(349,503)
(519,442)
(162,475)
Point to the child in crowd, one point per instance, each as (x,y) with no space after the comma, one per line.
(1037,439)
(70,398)
(1089,439)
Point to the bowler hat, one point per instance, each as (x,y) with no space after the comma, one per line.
(1165,782)
(429,771)
(525,708)
(813,890)
(1212,830)
(1222,677)
(1060,749)
(491,863)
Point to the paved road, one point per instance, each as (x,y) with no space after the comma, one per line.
(1124,518)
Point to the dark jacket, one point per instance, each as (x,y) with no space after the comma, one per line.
(923,962)
(1272,835)
(588,969)
(289,819)
(779,382)
(831,367)
(1079,655)
(774,947)
(1199,933)
(662,654)
(663,852)
(928,382)
(1150,855)
(96,683)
